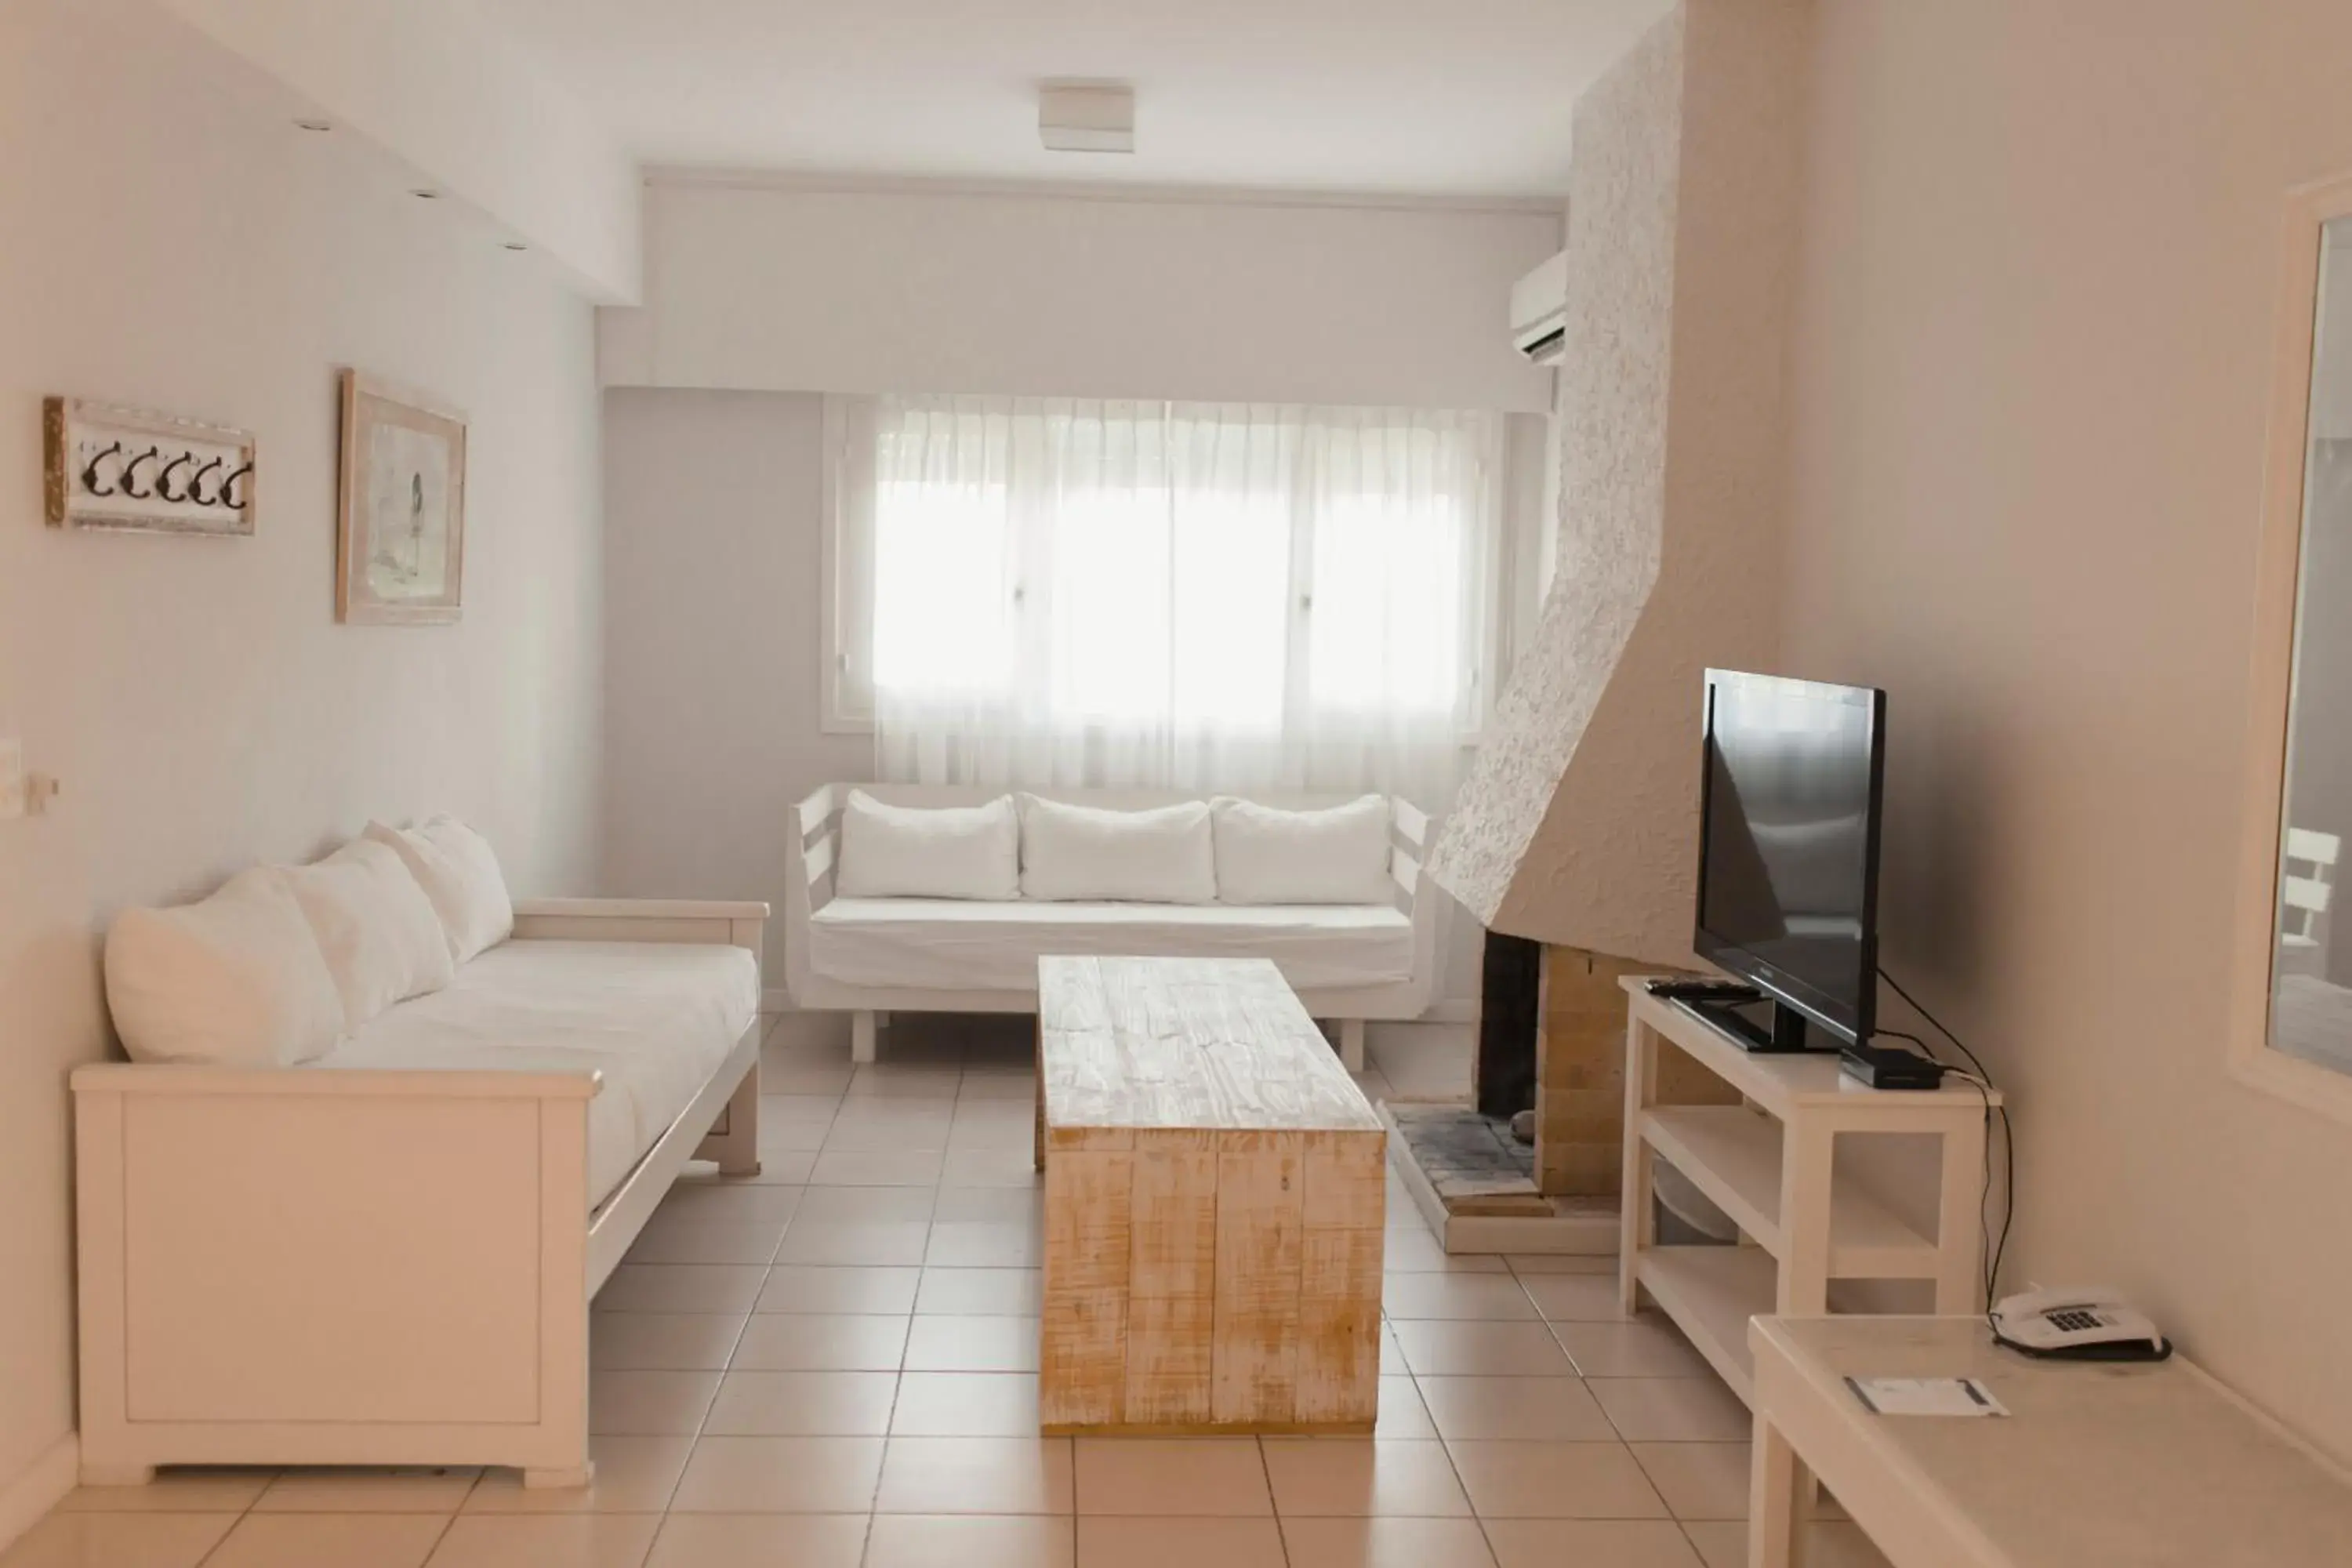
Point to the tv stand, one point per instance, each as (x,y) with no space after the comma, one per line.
(1781,1029)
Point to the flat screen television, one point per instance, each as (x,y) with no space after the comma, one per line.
(1788,873)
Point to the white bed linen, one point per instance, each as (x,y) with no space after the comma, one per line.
(655,1018)
(945,944)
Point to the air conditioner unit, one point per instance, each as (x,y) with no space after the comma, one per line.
(1539,312)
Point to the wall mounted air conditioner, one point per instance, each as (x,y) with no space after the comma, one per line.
(1539,312)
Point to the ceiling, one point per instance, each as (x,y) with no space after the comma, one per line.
(1442,98)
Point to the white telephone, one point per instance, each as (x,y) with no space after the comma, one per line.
(2082,1323)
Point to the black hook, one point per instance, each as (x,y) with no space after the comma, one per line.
(196,484)
(163,478)
(89,474)
(130,468)
(228,496)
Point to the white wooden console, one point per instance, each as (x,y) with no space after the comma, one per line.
(2096,1464)
(1769,1163)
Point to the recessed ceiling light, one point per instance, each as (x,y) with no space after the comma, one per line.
(1087,117)
(314,124)
(516,245)
(425,193)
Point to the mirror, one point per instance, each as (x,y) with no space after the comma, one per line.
(2311,956)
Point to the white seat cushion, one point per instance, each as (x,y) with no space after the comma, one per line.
(928,852)
(949,945)
(1338,855)
(1163,856)
(656,1019)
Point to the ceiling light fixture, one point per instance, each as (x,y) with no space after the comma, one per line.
(425,193)
(1087,117)
(516,245)
(314,125)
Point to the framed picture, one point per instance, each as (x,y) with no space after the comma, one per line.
(400,519)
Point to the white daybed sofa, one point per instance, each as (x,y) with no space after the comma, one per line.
(384,1254)
(875,957)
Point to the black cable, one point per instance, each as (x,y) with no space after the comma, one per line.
(1985,1087)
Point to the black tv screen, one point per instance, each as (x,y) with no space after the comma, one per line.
(1787,882)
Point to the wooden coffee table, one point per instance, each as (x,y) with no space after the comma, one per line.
(1215,1195)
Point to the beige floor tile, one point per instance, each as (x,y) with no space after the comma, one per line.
(1403,1417)
(759,1541)
(345,1539)
(1335,1478)
(1672,1409)
(391,1489)
(639,1403)
(972,1344)
(196,1489)
(1411,1249)
(981,1293)
(779,1475)
(662,1342)
(1829,1545)
(1154,1476)
(1110,1542)
(793,1137)
(1574,1298)
(1475,1296)
(892,1126)
(1590,1543)
(692,1239)
(992,1205)
(1555,1480)
(969,1540)
(832,1205)
(682,1288)
(797,1288)
(877,1168)
(787,1074)
(1698,1480)
(634,1475)
(1648,1346)
(1528,1264)
(1388,1543)
(966,1404)
(797,1110)
(1555,1409)
(820,1341)
(976,1474)
(1447,1348)
(1392,1364)
(804,1405)
(1009,1168)
(856,1241)
(118,1540)
(716,1202)
(546,1541)
(985,1243)
(781,1165)
(905,1080)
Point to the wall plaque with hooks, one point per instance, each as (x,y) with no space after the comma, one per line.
(127,468)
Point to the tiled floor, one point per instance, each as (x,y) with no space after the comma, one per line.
(834,1367)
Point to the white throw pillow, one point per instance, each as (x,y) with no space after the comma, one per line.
(1338,855)
(460,875)
(928,852)
(235,981)
(1159,857)
(382,942)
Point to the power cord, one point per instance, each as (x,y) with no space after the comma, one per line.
(1982,1080)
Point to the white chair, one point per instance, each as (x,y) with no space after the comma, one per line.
(2305,895)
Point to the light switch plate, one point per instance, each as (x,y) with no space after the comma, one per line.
(12,778)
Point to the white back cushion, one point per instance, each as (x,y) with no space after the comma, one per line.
(235,981)
(918,852)
(1338,855)
(460,875)
(1159,856)
(382,942)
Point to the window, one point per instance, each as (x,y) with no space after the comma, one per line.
(1038,591)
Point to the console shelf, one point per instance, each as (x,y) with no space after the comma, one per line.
(1769,1163)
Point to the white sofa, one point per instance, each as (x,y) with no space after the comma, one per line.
(875,957)
(385,1254)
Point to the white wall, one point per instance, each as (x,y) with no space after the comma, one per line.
(166,248)
(778,289)
(2026,485)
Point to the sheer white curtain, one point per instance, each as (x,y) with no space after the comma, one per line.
(1188,595)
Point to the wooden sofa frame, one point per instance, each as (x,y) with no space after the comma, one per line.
(814,844)
(282,1266)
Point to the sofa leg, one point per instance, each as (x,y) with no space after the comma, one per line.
(558,1480)
(1352,1044)
(116,1475)
(861,1036)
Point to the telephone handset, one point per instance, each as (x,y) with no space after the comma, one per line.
(2083,1323)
